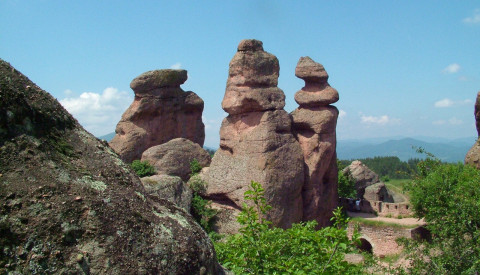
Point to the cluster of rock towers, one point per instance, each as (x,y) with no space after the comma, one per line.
(293,156)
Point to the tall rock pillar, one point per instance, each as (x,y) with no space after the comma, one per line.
(314,124)
(473,155)
(256,141)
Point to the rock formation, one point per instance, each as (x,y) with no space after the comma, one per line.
(314,124)
(473,155)
(69,205)
(174,157)
(256,142)
(161,111)
(378,192)
(362,175)
(170,188)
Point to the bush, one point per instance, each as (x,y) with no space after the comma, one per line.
(447,196)
(142,168)
(261,249)
(346,186)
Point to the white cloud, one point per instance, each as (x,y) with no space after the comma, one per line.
(463,78)
(68,92)
(451,69)
(98,113)
(446,102)
(381,120)
(451,121)
(176,66)
(342,114)
(474,19)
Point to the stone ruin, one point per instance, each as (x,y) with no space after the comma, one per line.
(292,156)
(473,155)
(161,111)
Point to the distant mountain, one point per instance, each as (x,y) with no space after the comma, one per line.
(404,149)
(107,137)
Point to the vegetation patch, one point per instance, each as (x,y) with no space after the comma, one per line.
(142,168)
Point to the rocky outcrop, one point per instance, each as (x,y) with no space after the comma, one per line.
(170,188)
(69,205)
(174,157)
(161,111)
(256,142)
(362,175)
(473,155)
(378,192)
(314,126)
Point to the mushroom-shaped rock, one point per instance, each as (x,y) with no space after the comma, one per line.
(161,111)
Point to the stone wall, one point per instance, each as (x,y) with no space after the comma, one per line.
(379,207)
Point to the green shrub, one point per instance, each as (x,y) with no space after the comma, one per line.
(260,248)
(346,186)
(195,167)
(142,168)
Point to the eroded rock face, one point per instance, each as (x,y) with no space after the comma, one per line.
(170,188)
(174,157)
(362,175)
(314,126)
(69,205)
(256,142)
(161,111)
(473,155)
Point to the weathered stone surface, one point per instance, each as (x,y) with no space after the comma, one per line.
(315,131)
(252,80)
(314,126)
(259,146)
(174,157)
(473,155)
(362,175)
(378,192)
(161,111)
(170,188)
(70,206)
(317,91)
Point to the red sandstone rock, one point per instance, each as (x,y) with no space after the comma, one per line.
(256,142)
(252,81)
(473,155)
(317,91)
(161,111)
(314,124)
(174,157)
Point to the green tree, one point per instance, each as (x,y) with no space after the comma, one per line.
(260,248)
(447,196)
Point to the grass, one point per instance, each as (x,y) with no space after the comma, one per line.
(373,223)
(398,186)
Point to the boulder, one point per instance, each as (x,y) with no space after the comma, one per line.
(174,157)
(473,155)
(314,126)
(378,192)
(170,188)
(252,81)
(362,175)
(317,91)
(256,142)
(161,111)
(69,205)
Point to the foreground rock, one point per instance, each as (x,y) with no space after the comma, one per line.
(174,157)
(314,126)
(256,142)
(473,155)
(161,111)
(170,188)
(69,205)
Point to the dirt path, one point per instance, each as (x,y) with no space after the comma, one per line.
(404,221)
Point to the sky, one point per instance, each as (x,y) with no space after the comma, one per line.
(402,68)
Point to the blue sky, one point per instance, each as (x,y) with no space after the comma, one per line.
(408,68)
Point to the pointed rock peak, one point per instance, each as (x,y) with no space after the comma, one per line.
(158,79)
(309,70)
(251,45)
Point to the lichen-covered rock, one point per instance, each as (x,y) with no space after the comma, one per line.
(174,157)
(160,111)
(170,188)
(69,205)
(473,155)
